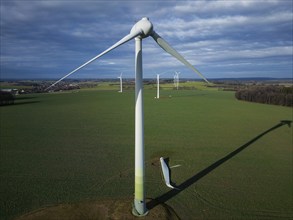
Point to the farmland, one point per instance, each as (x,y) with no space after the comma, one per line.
(77,146)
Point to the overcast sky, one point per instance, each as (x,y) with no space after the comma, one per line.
(48,39)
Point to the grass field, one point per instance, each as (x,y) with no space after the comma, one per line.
(79,146)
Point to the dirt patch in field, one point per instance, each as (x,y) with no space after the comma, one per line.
(107,209)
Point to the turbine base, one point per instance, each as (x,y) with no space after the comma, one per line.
(139,207)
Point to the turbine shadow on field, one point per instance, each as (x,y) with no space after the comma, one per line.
(170,194)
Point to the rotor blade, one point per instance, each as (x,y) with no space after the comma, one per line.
(120,42)
(165,46)
(166,173)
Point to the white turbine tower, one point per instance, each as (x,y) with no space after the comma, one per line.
(120,77)
(142,29)
(158,84)
(176,79)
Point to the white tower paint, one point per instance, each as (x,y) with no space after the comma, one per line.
(139,188)
(158,86)
(120,77)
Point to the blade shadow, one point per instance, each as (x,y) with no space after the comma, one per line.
(172,193)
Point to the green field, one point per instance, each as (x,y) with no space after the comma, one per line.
(79,146)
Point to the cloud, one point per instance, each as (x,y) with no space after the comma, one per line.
(222,6)
(222,26)
(53,37)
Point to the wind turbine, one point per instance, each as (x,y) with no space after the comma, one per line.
(120,77)
(176,79)
(142,29)
(158,84)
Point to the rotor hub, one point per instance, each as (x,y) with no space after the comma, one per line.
(144,26)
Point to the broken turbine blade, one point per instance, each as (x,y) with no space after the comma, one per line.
(166,173)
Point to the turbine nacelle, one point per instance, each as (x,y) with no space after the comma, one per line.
(144,26)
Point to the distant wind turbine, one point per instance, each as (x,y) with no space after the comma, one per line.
(142,29)
(120,77)
(176,79)
(158,84)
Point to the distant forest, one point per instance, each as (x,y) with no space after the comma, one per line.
(6,98)
(269,94)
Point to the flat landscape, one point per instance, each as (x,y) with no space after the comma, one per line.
(78,146)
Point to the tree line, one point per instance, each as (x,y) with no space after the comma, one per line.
(6,98)
(270,94)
